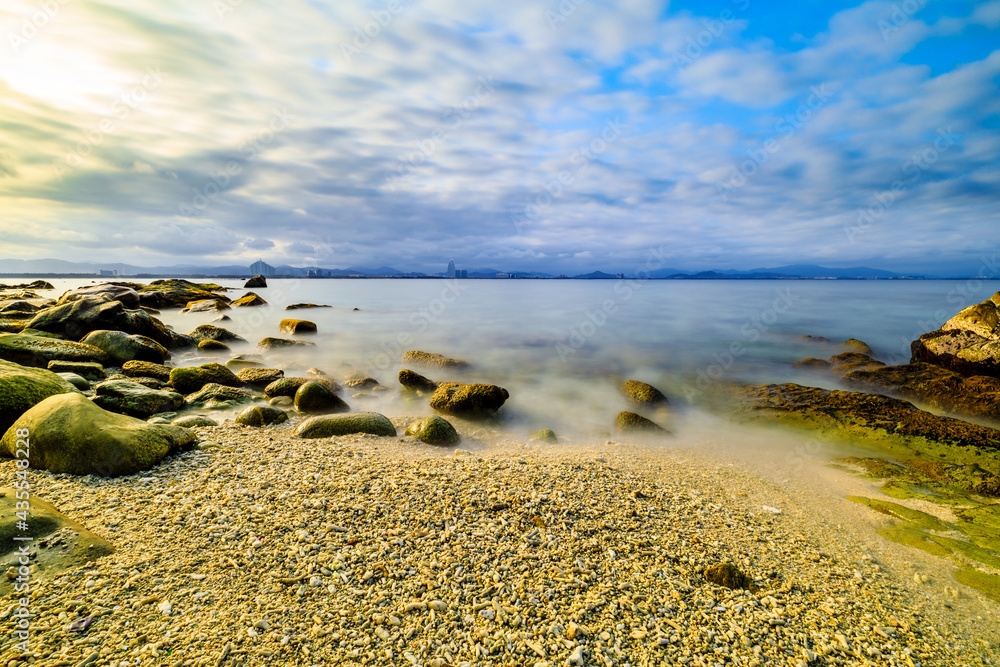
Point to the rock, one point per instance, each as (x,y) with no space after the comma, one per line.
(223,318)
(434,431)
(219,397)
(545,435)
(259,378)
(77,381)
(85,369)
(240,361)
(206,306)
(472,401)
(192,378)
(629,422)
(270,343)
(248,300)
(355,422)
(289,386)
(122,347)
(298,306)
(59,543)
(175,293)
(314,396)
(212,346)
(416,382)
(855,345)
(296,326)
(38,284)
(813,339)
(281,402)
(852,361)
(729,576)
(146,369)
(209,332)
(19,307)
(258,416)
(21,388)
(812,363)
(128,296)
(70,434)
(14,322)
(194,421)
(362,383)
(968,343)
(134,399)
(256,282)
(642,395)
(94,313)
(933,386)
(433,360)
(38,351)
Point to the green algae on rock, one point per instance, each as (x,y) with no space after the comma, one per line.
(545,435)
(135,400)
(472,401)
(314,396)
(38,351)
(123,347)
(192,378)
(257,416)
(434,431)
(325,426)
(642,395)
(630,422)
(413,381)
(433,360)
(248,300)
(22,387)
(211,332)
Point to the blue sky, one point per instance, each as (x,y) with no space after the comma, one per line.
(521,135)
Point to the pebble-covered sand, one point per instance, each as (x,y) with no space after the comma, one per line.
(262,548)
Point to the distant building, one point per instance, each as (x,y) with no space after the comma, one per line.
(451,269)
(261,269)
(462,273)
(107,273)
(504,275)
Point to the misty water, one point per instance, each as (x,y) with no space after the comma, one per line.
(561,347)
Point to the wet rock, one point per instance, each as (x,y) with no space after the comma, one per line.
(122,347)
(642,395)
(194,421)
(192,378)
(855,345)
(206,306)
(128,296)
(545,435)
(433,360)
(19,307)
(472,401)
(257,416)
(21,388)
(629,422)
(271,343)
(812,363)
(314,396)
(248,300)
(212,346)
(813,339)
(289,386)
(77,381)
(362,383)
(218,397)
(176,293)
(299,306)
(134,399)
(84,369)
(416,382)
(210,332)
(968,343)
(259,378)
(240,361)
(70,434)
(296,327)
(95,313)
(345,424)
(257,281)
(852,361)
(281,402)
(434,431)
(38,351)
(136,369)
(729,576)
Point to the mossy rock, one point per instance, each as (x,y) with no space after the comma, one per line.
(192,378)
(259,378)
(80,382)
(728,575)
(362,383)
(240,361)
(248,300)
(210,332)
(852,361)
(433,360)
(85,369)
(257,281)
(216,396)
(471,401)
(176,292)
(21,388)
(314,396)
(70,434)
(38,351)
(206,306)
(271,343)
(96,313)
(294,327)
(212,346)
(630,422)
(134,399)
(642,395)
(859,346)
(194,421)
(413,381)
(434,431)
(545,435)
(146,369)
(288,386)
(300,306)
(123,347)
(812,363)
(258,416)
(325,426)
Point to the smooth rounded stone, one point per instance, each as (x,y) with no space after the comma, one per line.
(206,306)
(97,313)
(642,395)
(194,421)
(629,422)
(216,396)
(281,402)
(434,431)
(158,420)
(59,543)
(271,343)
(362,383)
(122,347)
(545,435)
(472,401)
(128,296)
(134,399)
(300,306)
(22,387)
(289,386)
(257,281)
(70,434)
(325,426)
(77,381)
(812,363)
(432,360)
(213,346)
(140,369)
(84,369)
(219,334)
(38,351)
(413,381)
(315,396)
(317,373)
(852,361)
(248,300)
(258,416)
(728,575)
(855,345)
(296,326)
(259,378)
(240,361)
(192,378)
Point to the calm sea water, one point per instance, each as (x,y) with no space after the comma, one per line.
(562,347)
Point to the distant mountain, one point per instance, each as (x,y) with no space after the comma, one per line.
(595,275)
(814,271)
(380,271)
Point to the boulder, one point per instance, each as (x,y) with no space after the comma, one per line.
(39,351)
(259,378)
(213,346)
(122,347)
(70,434)
(135,400)
(968,343)
(85,369)
(206,306)
(629,422)
(362,383)
(176,293)
(472,401)
(728,575)
(128,296)
(314,396)
(248,300)
(299,306)
(852,361)
(209,332)
(240,361)
(258,416)
(545,435)
(296,327)
(38,284)
(19,307)
(22,387)
(257,281)
(288,386)
(147,369)
(434,431)
(859,346)
(76,319)
(281,402)
(194,421)
(219,397)
(812,363)
(78,381)
(325,426)
(14,322)
(416,382)
(642,395)
(270,343)
(192,378)
(433,360)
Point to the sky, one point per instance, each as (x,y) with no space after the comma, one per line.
(535,135)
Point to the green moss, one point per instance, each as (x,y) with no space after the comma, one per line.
(987,584)
(38,351)
(545,435)
(472,401)
(973,551)
(433,360)
(192,378)
(416,382)
(258,416)
(434,431)
(21,388)
(356,422)
(641,394)
(629,422)
(916,517)
(911,535)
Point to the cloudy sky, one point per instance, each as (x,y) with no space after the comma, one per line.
(521,135)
